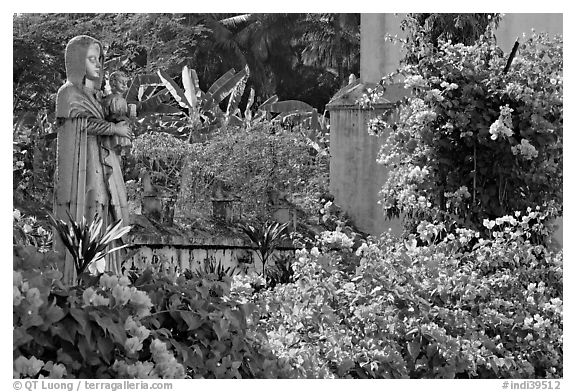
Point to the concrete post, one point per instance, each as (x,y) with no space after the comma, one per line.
(355,177)
(379,57)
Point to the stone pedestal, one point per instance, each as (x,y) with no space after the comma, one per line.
(355,177)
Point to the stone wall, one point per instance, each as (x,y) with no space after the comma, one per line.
(185,253)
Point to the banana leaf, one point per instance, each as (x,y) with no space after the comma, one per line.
(235,121)
(115,63)
(167,109)
(190,83)
(141,80)
(235,97)
(228,86)
(175,90)
(221,81)
(287,106)
(268,102)
(247,111)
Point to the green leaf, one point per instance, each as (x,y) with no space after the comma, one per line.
(190,83)
(175,90)
(228,86)
(221,81)
(82,318)
(141,80)
(191,319)
(268,102)
(110,326)
(54,313)
(414,349)
(87,352)
(20,337)
(63,332)
(105,348)
(287,106)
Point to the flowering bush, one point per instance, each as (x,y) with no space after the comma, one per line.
(157,326)
(461,305)
(33,158)
(209,329)
(82,332)
(27,230)
(471,141)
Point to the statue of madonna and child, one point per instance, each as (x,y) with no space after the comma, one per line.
(92,130)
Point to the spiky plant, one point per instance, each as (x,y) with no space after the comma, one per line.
(86,243)
(266,238)
(211,267)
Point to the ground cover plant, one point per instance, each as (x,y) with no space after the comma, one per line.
(445,309)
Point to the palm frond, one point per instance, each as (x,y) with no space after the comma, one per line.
(235,21)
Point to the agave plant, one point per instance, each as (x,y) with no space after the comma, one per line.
(86,243)
(266,239)
(211,267)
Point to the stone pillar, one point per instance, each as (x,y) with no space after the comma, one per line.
(379,57)
(355,177)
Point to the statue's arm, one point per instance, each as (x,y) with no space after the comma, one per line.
(93,125)
(71,104)
(99,127)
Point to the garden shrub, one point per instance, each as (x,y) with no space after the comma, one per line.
(461,306)
(27,230)
(471,141)
(260,166)
(149,326)
(82,332)
(33,157)
(162,156)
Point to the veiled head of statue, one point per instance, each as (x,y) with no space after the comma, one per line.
(84,57)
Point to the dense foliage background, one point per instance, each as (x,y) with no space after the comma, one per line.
(473,289)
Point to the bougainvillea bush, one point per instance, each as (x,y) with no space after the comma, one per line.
(473,141)
(460,306)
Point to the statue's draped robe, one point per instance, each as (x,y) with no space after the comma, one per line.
(88,178)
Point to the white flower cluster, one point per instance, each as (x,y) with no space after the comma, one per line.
(242,285)
(525,149)
(417,175)
(502,126)
(139,334)
(164,364)
(369,250)
(448,86)
(414,81)
(336,238)
(23,292)
(30,367)
(122,293)
(434,94)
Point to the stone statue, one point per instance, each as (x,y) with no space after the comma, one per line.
(116,109)
(88,179)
